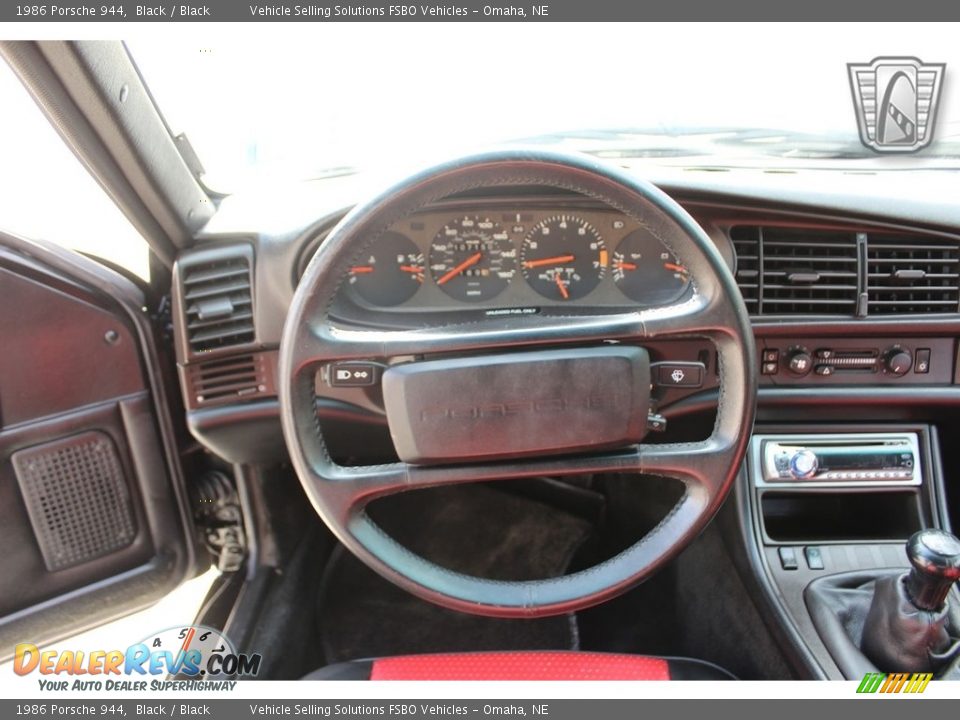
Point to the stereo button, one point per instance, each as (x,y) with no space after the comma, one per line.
(803,464)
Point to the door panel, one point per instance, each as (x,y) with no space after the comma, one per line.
(56,353)
(93,517)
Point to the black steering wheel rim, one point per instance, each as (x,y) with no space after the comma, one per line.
(715,311)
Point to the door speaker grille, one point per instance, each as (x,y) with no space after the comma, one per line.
(77,498)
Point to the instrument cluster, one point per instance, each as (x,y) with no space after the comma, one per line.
(488,257)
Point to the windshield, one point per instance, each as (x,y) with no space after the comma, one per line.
(350,97)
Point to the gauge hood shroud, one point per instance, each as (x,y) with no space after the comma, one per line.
(517,404)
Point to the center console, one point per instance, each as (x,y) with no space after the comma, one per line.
(835,501)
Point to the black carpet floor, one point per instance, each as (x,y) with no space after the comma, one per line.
(474,529)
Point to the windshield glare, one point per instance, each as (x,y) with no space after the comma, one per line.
(361,96)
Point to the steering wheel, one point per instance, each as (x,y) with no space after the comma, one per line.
(542,354)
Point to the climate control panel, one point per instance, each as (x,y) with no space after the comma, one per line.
(924,361)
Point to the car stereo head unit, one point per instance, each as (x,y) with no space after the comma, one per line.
(830,459)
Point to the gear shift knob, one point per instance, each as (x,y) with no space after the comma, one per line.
(935,557)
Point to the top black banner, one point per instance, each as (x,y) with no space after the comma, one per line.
(470,11)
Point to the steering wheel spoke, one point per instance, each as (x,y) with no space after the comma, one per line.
(695,464)
(327,342)
(351,488)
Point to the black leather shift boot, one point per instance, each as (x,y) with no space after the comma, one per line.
(867,624)
(898,637)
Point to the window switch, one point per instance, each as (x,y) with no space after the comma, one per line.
(814,558)
(788,558)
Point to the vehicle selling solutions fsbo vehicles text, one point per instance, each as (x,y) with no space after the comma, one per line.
(394,11)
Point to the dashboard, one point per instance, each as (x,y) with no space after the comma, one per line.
(513,257)
(853,296)
(855,308)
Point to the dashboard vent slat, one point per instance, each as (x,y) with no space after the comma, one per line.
(218,300)
(905,277)
(746,245)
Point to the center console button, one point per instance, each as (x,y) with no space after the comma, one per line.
(814,558)
(788,558)
(800,362)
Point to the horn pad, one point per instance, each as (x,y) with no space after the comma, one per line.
(517,404)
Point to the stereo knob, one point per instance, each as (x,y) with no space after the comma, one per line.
(800,362)
(803,464)
(898,361)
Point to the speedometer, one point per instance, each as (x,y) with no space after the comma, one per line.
(472,259)
(564,258)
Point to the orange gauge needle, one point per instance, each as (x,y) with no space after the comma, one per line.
(675,267)
(360,269)
(411,269)
(558,260)
(563,288)
(469,262)
(626,265)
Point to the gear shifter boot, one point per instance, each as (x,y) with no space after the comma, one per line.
(900,637)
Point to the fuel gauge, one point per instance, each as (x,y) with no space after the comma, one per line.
(646,272)
(391,273)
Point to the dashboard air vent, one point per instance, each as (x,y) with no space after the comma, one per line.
(813,272)
(218,302)
(796,271)
(746,245)
(229,379)
(912,275)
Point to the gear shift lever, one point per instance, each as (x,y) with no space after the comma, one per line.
(906,628)
(935,557)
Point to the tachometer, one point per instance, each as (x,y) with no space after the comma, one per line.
(647,272)
(564,257)
(390,273)
(472,259)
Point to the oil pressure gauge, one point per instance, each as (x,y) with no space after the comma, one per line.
(390,273)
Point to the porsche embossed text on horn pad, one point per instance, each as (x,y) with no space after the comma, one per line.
(526,403)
